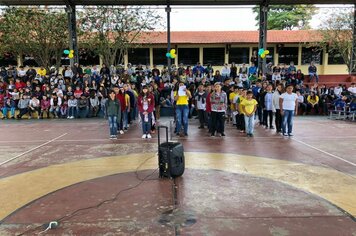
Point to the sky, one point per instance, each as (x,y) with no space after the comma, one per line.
(184,18)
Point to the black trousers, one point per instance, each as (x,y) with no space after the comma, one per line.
(266,115)
(240,121)
(278,121)
(33,110)
(260,115)
(202,117)
(310,108)
(217,122)
(23,111)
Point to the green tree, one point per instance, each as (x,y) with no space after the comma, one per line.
(287,17)
(336,34)
(36,32)
(111,30)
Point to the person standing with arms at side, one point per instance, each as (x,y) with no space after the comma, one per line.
(113,112)
(267,108)
(218,100)
(276,109)
(182,97)
(288,103)
(249,107)
(146,104)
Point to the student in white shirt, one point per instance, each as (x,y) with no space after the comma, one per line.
(288,103)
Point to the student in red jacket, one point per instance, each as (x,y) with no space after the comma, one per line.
(120,95)
(146,104)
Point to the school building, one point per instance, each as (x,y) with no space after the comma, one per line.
(219,47)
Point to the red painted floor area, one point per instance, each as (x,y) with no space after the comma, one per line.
(202,202)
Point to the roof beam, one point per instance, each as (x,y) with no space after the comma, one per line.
(172,2)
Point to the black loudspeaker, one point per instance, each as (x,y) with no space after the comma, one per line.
(170,157)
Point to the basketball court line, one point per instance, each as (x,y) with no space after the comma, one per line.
(325,152)
(32,149)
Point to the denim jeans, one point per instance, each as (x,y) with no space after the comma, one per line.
(315,75)
(249,123)
(182,112)
(125,117)
(113,125)
(288,121)
(72,111)
(146,125)
(5,109)
(54,110)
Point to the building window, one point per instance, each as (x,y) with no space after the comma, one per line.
(312,54)
(159,56)
(188,56)
(214,56)
(269,57)
(335,58)
(29,61)
(139,56)
(287,55)
(239,55)
(87,57)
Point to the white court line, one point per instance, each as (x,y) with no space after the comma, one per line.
(327,153)
(32,149)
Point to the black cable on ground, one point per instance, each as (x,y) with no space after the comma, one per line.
(72,214)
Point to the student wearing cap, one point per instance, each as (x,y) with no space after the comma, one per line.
(146,104)
(218,100)
(182,96)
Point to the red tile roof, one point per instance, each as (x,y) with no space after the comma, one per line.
(211,37)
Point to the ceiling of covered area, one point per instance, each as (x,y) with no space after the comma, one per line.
(172,2)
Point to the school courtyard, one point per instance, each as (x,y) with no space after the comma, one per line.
(68,171)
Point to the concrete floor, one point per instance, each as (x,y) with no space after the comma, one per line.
(233,185)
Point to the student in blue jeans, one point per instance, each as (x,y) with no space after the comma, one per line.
(249,107)
(113,111)
(288,103)
(182,97)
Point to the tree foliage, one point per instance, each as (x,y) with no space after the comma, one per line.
(287,17)
(111,30)
(39,33)
(336,32)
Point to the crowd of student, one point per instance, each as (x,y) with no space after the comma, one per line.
(124,94)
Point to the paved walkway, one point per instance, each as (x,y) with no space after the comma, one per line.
(269,185)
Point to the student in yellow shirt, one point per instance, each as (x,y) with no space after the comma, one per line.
(181,96)
(232,95)
(313,102)
(240,118)
(249,106)
(42,71)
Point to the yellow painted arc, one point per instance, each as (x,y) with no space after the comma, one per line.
(18,190)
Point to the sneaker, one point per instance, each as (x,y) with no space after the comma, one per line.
(68,117)
(144,136)
(111,136)
(121,132)
(149,136)
(223,135)
(285,134)
(290,135)
(125,129)
(114,137)
(271,127)
(212,135)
